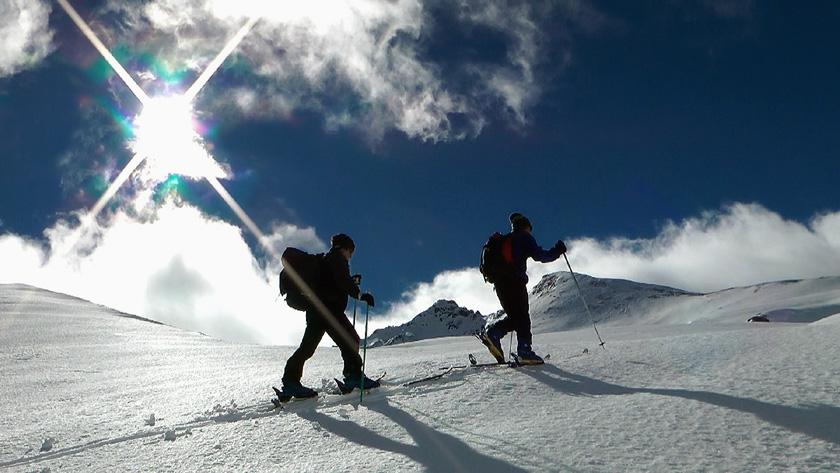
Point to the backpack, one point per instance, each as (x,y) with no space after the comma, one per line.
(307,267)
(497,258)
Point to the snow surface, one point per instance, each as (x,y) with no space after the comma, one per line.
(86,388)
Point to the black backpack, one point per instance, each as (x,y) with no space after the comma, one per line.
(307,267)
(497,258)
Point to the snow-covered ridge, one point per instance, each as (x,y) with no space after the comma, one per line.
(37,299)
(557,305)
(443,319)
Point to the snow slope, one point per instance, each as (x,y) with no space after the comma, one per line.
(556,305)
(87,389)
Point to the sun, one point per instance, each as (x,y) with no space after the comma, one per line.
(165,135)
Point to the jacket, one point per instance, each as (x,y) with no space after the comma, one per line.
(335,282)
(524,246)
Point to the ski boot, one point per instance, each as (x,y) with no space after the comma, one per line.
(356,380)
(526,356)
(295,389)
(492,339)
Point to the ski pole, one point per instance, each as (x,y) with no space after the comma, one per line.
(364,355)
(357,278)
(584,302)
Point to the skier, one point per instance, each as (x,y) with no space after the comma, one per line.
(513,294)
(333,285)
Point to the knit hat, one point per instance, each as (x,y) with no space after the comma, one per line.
(340,240)
(519,222)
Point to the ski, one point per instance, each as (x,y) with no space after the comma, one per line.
(342,388)
(345,389)
(474,364)
(517,361)
(280,399)
(446,371)
(493,350)
(514,362)
(283,398)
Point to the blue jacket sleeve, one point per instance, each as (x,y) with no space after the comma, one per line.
(524,247)
(536,252)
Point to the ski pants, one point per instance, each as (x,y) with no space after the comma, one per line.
(513,295)
(342,333)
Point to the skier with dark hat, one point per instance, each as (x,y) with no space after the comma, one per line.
(333,287)
(513,293)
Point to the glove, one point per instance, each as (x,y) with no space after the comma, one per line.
(368,298)
(560,247)
(357,278)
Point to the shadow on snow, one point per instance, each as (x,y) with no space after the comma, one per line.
(435,450)
(820,421)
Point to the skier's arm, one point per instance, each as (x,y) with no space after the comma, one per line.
(536,252)
(340,269)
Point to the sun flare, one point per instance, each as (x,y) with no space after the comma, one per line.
(165,135)
(166,142)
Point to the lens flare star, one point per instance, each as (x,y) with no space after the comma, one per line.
(165,137)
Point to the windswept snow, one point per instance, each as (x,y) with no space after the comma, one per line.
(85,389)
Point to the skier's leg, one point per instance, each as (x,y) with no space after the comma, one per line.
(518,311)
(513,296)
(522,319)
(345,337)
(311,338)
(504,325)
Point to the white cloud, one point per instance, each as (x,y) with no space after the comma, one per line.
(362,64)
(465,286)
(741,245)
(25,37)
(181,268)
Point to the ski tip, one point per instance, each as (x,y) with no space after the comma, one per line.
(281,397)
(342,388)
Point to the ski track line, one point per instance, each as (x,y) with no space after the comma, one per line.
(256,411)
(232,413)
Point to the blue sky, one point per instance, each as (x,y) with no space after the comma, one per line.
(692,144)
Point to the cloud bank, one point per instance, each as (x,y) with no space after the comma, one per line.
(195,272)
(739,245)
(25,37)
(181,268)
